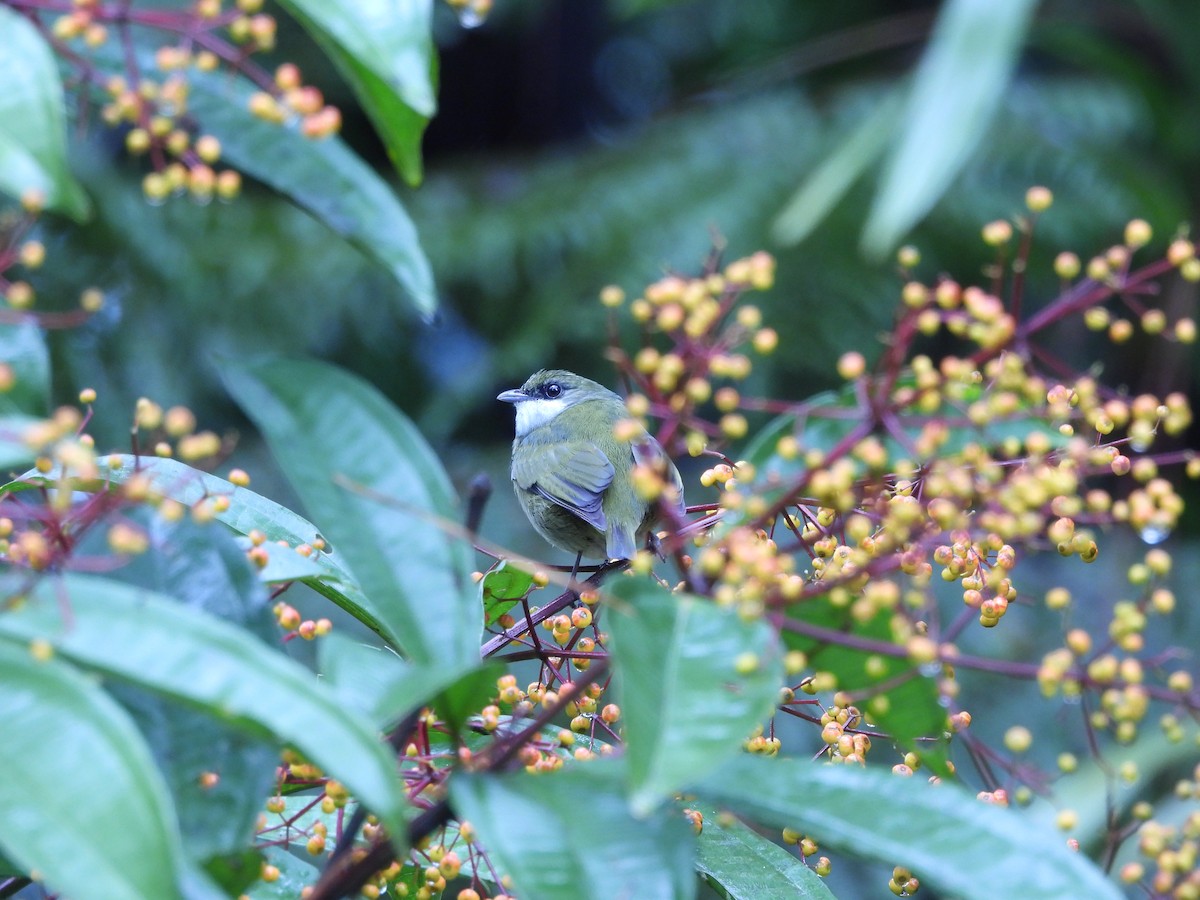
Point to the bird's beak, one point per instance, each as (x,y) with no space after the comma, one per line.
(513,396)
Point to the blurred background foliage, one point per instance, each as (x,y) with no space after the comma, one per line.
(583,142)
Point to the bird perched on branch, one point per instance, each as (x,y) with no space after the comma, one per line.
(589,477)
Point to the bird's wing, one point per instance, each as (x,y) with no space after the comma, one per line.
(649,452)
(574,474)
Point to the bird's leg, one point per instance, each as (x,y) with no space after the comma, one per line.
(656,546)
(571,584)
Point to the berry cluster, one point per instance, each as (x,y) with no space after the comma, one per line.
(945,467)
(694,316)
(149,99)
(40,538)
(22,256)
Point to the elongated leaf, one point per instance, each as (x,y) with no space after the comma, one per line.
(214,818)
(33,123)
(13,449)
(600,850)
(322,176)
(294,876)
(284,564)
(908,710)
(202,567)
(325,572)
(98,825)
(742,864)
(685,704)
(951,841)
(1159,760)
(322,424)
(360,674)
(293,825)
(197,883)
(385,52)
(152,641)
(23,349)
(458,699)
(822,190)
(377,682)
(956,91)
(501,588)
(235,872)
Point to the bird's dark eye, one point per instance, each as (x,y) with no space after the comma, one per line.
(553,389)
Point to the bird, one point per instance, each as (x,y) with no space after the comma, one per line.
(573,466)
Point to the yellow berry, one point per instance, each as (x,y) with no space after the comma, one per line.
(32,254)
(1066,265)
(208,148)
(612,296)
(997,233)
(1038,199)
(1018,739)
(851,365)
(1138,233)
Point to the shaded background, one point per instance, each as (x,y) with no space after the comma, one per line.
(581,143)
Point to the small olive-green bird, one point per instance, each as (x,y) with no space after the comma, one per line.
(574,475)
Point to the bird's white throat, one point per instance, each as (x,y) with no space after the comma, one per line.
(533,414)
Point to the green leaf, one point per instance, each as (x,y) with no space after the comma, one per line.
(600,850)
(235,872)
(459,699)
(952,842)
(97,825)
(324,177)
(324,424)
(200,565)
(294,876)
(13,449)
(685,705)
(33,122)
(956,90)
(247,512)
(23,350)
(285,565)
(385,52)
(740,863)
(908,711)
(203,568)
(1160,763)
(377,682)
(8,868)
(152,641)
(762,453)
(502,588)
(293,826)
(197,883)
(828,183)
(361,674)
